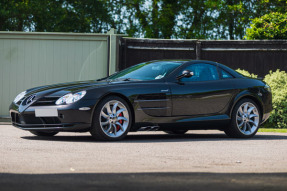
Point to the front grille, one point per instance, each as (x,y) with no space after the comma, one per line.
(50,120)
(15,117)
(45,101)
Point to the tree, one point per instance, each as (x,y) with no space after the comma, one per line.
(164,18)
(152,19)
(233,18)
(88,15)
(14,15)
(196,19)
(186,19)
(54,15)
(269,26)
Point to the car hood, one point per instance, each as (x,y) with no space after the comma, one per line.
(63,88)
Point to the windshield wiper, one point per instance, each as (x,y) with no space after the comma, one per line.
(124,79)
(128,79)
(102,79)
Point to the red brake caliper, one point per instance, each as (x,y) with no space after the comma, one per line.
(120,121)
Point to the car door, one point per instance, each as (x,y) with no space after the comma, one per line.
(154,99)
(204,93)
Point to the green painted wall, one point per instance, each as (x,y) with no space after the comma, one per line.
(34,59)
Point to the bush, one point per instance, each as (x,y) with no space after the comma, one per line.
(269,26)
(246,73)
(278,83)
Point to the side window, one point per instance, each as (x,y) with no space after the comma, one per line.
(202,72)
(225,75)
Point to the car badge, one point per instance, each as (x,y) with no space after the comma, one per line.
(30,99)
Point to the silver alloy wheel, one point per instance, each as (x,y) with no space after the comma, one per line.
(114,118)
(247,118)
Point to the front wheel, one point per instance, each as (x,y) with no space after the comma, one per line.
(112,119)
(245,119)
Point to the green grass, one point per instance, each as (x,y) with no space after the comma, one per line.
(272,130)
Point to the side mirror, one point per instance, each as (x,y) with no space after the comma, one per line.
(185,74)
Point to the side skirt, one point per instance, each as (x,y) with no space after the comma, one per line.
(219,122)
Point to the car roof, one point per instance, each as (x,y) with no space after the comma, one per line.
(182,61)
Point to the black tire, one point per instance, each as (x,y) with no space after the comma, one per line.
(44,133)
(176,132)
(234,129)
(98,132)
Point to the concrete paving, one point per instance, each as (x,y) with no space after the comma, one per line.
(145,160)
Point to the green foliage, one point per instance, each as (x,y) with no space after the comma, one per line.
(185,19)
(14,15)
(278,82)
(54,15)
(273,130)
(246,73)
(269,26)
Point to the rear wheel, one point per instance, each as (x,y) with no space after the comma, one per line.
(176,132)
(44,133)
(245,119)
(112,119)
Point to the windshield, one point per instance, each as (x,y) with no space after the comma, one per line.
(147,71)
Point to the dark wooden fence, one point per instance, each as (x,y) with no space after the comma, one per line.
(259,56)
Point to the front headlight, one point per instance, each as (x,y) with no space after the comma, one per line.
(71,98)
(19,96)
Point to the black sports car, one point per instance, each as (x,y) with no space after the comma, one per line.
(168,95)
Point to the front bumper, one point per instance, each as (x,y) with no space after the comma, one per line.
(70,117)
(74,127)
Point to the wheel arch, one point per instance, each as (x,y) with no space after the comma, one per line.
(248,96)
